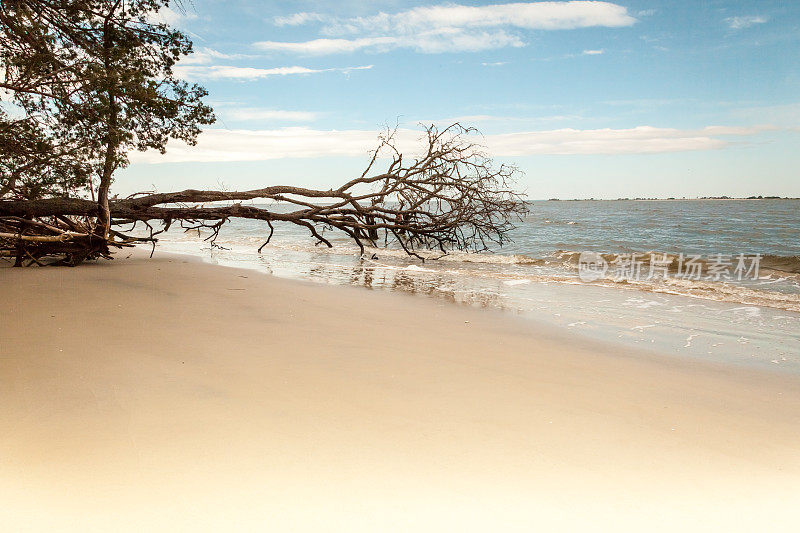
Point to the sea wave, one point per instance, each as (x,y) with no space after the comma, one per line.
(789,264)
(453,256)
(778,285)
(713,290)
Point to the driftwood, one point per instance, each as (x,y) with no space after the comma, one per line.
(61,237)
(449,197)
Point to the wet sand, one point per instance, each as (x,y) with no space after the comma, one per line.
(172,395)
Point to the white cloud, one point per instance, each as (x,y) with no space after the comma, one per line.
(297,19)
(299,142)
(170,17)
(738,23)
(530,15)
(257,113)
(434,41)
(327,46)
(593,52)
(449,27)
(262,145)
(495,64)
(639,140)
(218,72)
(204,56)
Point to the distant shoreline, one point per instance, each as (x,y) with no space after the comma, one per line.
(666,199)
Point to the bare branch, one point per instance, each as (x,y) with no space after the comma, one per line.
(451,197)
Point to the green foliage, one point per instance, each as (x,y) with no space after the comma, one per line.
(92,80)
(35,165)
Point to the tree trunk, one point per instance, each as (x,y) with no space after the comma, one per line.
(112,138)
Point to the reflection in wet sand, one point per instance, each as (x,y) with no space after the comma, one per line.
(751,322)
(439,285)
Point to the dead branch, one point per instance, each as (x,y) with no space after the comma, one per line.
(449,197)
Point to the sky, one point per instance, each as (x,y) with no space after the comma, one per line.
(637,98)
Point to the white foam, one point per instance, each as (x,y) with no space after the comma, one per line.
(417,268)
(689,340)
(513,282)
(750,312)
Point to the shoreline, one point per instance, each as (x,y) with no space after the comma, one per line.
(623,319)
(211,398)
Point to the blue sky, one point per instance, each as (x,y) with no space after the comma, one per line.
(589,99)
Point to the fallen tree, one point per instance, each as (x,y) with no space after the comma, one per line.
(450,196)
(88,81)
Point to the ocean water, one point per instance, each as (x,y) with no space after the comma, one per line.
(710,279)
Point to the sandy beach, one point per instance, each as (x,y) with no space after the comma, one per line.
(168,394)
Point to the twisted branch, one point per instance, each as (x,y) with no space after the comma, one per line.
(449,197)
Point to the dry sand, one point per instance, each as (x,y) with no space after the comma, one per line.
(172,395)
